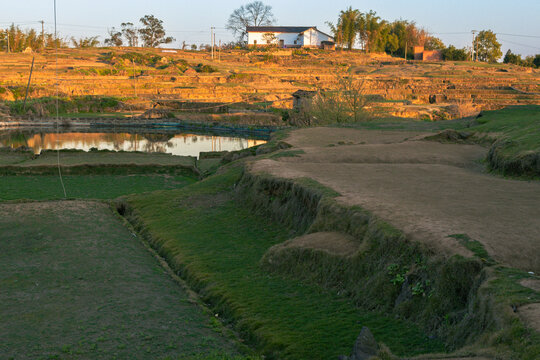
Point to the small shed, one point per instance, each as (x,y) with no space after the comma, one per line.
(421,54)
(328,45)
(302,98)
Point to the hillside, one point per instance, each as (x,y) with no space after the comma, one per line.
(253,80)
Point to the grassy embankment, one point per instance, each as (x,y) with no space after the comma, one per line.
(92,175)
(46,106)
(216,242)
(517,148)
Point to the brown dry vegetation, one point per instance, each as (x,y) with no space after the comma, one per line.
(406,89)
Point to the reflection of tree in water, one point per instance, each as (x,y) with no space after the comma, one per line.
(157,142)
(145,142)
(117,140)
(158,137)
(14,139)
(155,147)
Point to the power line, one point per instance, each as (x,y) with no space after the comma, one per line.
(515,43)
(527,36)
(451,33)
(20,23)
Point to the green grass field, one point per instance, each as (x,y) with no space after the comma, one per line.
(48,187)
(518,124)
(216,243)
(77,284)
(71,158)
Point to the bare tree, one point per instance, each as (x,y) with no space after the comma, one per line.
(255,13)
(345,102)
(130,32)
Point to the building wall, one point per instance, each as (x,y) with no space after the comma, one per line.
(310,38)
(433,55)
(418,52)
(313,38)
(288,38)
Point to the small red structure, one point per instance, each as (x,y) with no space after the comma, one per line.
(421,54)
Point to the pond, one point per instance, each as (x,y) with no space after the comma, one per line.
(176,143)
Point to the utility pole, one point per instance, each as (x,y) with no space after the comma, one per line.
(134,78)
(212,40)
(406,46)
(7,37)
(42,33)
(474,46)
(29,81)
(219,51)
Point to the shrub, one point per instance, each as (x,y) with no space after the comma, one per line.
(200,68)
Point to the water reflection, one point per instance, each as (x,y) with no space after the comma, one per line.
(176,144)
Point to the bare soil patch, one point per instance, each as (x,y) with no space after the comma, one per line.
(531,284)
(530,314)
(324,136)
(409,152)
(331,242)
(428,190)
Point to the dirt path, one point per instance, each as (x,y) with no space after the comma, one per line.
(429,190)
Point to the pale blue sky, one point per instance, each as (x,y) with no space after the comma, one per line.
(451,20)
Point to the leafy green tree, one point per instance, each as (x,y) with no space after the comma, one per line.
(434,43)
(85,42)
(347,28)
(511,58)
(488,48)
(380,37)
(373,32)
(392,43)
(255,13)
(452,53)
(114,39)
(131,34)
(152,33)
(530,61)
(20,39)
(536,61)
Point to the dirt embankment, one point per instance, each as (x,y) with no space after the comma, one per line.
(429,190)
(408,227)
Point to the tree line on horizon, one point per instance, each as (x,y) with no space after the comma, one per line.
(376,35)
(353,28)
(399,37)
(150,34)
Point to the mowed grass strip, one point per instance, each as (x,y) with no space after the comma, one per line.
(76,157)
(76,284)
(216,242)
(48,187)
